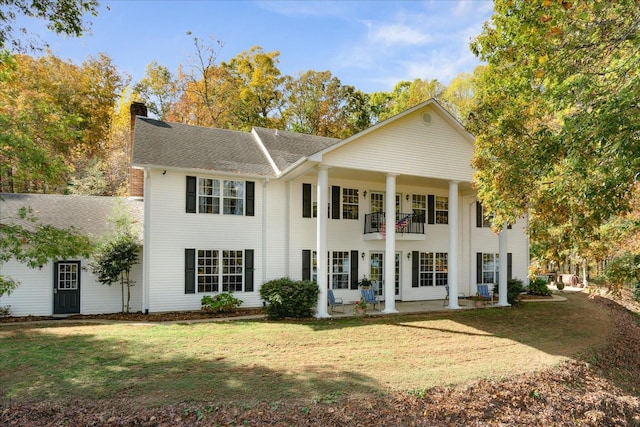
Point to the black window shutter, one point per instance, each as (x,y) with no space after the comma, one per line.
(509,227)
(251,198)
(248,270)
(306,264)
(306,200)
(509,266)
(415,269)
(479,219)
(335,202)
(354,269)
(431,209)
(189,271)
(479,267)
(191,194)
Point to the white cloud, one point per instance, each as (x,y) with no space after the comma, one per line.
(398,34)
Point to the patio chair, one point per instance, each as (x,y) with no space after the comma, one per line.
(370,297)
(446,298)
(484,292)
(333,301)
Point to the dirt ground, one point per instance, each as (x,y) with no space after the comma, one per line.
(601,391)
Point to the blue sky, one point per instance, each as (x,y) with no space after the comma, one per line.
(371,45)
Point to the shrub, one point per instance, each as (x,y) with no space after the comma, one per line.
(221,303)
(636,292)
(538,287)
(288,298)
(514,289)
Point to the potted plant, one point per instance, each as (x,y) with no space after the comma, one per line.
(478,300)
(360,307)
(365,283)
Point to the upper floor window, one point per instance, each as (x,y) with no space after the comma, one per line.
(350,203)
(233,197)
(208,196)
(419,206)
(215,196)
(483,219)
(442,210)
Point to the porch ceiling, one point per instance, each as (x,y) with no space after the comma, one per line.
(378,177)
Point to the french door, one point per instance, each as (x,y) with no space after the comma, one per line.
(376,273)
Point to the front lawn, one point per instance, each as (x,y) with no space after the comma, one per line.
(246,362)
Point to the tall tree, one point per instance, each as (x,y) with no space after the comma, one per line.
(318,104)
(258,85)
(206,89)
(557,119)
(56,116)
(62,16)
(405,95)
(459,97)
(158,89)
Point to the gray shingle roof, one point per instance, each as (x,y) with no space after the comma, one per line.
(90,214)
(286,148)
(176,145)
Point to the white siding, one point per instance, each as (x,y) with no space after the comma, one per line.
(407,146)
(172,230)
(34,296)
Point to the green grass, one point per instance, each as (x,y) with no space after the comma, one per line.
(249,361)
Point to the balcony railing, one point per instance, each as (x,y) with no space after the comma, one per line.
(406,223)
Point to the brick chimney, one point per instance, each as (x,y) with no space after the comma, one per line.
(136,176)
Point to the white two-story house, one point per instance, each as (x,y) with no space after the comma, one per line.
(225,211)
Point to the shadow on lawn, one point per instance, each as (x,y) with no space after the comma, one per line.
(51,367)
(557,328)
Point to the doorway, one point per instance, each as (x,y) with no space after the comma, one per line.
(376,273)
(66,287)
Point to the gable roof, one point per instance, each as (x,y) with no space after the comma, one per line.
(430,102)
(89,214)
(176,145)
(287,148)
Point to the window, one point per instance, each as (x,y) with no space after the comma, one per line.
(232,271)
(483,219)
(419,207)
(433,269)
(67,276)
(340,270)
(442,210)
(490,268)
(210,275)
(209,196)
(350,203)
(233,198)
(314,266)
(208,271)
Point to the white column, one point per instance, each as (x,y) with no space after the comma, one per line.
(321,240)
(453,245)
(390,246)
(502,272)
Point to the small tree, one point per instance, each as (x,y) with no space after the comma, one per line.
(112,262)
(117,254)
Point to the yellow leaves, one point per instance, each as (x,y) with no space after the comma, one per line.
(555,31)
(539,73)
(546,18)
(546,3)
(543,59)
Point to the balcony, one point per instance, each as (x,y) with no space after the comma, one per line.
(408,226)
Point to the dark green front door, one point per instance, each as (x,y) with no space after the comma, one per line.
(66,287)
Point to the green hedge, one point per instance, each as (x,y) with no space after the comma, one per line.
(288,298)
